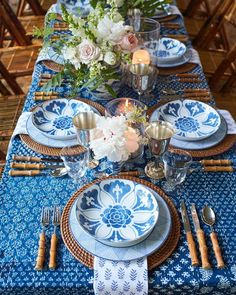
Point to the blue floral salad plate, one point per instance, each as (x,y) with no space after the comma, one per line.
(170,50)
(118,213)
(192,120)
(54,118)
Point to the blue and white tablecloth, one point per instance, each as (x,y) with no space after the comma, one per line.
(22,198)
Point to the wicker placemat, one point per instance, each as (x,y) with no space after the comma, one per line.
(52,65)
(154,259)
(177,70)
(220,148)
(52,151)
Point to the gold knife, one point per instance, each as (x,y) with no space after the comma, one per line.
(201,239)
(189,236)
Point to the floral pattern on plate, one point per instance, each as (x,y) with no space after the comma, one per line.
(193,120)
(54,117)
(117,212)
(170,49)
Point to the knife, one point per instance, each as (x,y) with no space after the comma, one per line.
(189,236)
(33,166)
(34,159)
(201,239)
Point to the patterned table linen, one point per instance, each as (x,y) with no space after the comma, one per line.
(22,198)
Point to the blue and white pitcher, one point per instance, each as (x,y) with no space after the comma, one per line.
(76,7)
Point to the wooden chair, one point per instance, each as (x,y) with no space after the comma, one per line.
(19,60)
(36,8)
(226,65)
(213,24)
(17,31)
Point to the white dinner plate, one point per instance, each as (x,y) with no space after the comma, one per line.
(153,242)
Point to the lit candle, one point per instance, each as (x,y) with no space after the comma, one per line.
(141,56)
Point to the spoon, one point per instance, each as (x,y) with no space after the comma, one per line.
(58,172)
(208,217)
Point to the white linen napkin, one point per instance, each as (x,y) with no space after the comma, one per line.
(175,10)
(230,121)
(120,278)
(195,57)
(19,129)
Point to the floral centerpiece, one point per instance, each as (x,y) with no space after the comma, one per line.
(94,49)
(114,139)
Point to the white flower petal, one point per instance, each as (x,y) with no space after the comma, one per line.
(103,231)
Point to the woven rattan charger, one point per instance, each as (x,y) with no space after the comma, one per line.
(220,148)
(154,259)
(52,151)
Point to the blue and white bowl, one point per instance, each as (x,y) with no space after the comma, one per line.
(117,212)
(170,50)
(54,118)
(192,120)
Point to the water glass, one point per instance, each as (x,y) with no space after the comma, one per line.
(148,35)
(76,163)
(176,165)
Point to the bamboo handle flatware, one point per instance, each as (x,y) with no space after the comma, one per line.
(203,249)
(216,162)
(218,168)
(53,248)
(34,159)
(189,236)
(187,75)
(201,239)
(38,166)
(24,172)
(217,250)
(208,217)
(45,219)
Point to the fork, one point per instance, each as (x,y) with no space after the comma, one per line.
(56,218)
(45,219)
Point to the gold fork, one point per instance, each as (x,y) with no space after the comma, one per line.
(45,219)
(56,218)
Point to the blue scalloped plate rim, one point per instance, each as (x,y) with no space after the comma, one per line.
(151,244)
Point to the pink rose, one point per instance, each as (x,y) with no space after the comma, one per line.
(129,42)
(88,52)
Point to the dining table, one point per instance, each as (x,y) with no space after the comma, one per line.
(23,197)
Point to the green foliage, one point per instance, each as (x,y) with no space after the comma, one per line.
(55,81)
(147,7)
(42,33)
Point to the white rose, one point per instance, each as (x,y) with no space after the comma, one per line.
(72,55)
(88,52)
(117,32)
(110,58)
